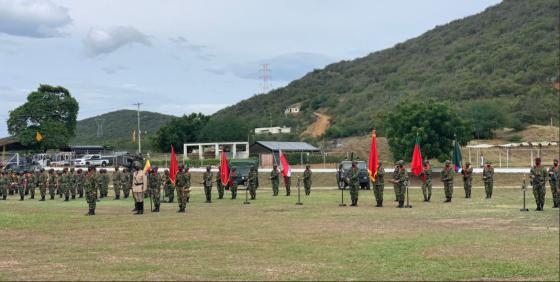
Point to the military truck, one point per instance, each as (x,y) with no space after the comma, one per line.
(342,181)
(243,167)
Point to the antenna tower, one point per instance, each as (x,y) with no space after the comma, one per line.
(99,122)
(265,76)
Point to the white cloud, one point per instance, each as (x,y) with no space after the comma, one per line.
(103,41)
(32,18)
(114,69)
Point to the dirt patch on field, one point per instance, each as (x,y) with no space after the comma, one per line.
(319,127)
(533,133)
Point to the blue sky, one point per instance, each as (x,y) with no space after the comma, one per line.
(183,56)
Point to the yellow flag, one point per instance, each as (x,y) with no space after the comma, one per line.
(147,166)
(38,136)
(134,136)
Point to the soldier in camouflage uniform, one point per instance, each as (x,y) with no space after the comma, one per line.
(65,183)
(488,179)
(116,177)
(154,184)
(467,179)
(395,185)
(426,176)
(181,182)
(72,176)
(307,180)
(553,181)
(51,183)
(79,180)
(379,185)
(538,180)
(21,182)
(401,181)
(447,178)
(219,184)
(168,186)
(207,182)
(13,183)
(58,176)
(275,180)
(253,179)
(288,184)
(233,183)
(31,184)
(354,181)
(127,182)
(105,179)
(90,186)
(4,185)
(43,184)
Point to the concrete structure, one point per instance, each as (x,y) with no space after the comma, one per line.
(293,109)
(273,130)
(234,150)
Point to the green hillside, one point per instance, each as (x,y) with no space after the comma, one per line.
(506,56)
(118,127)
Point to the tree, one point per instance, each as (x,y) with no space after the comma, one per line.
(50,111)
(436,125)
(485,117)
(179,131)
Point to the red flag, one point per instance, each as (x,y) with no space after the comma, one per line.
(174,168)
(373,158)
(224,169)
(416,164)
(286,170)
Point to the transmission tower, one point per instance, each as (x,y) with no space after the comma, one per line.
(265,76)
(99,122)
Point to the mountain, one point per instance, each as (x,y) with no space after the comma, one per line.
(117,128)
(507,55)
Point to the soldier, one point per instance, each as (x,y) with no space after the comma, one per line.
(553,181)
(379,185)
(117,175)
(51,182)
(126,182)
(105,183)
(65,184)
(58,177)
(72,176)
(253,179)
(181,187)
(354,180)
(138,188)
(31,183)
(21,183)
(207,182)
(43,183)
(188,190)
(274,179)
(538,180)
(287,184)
(90,186)
(447,179)
(13,182)
(79,183)
(168,186)
(233,183)
(154,182)
(395,184)
(467,179)
(219,185)
(307,180)
(426,176)
(401,180)
(4,185)
(488,178)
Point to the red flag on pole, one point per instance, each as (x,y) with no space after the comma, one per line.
(286,170)
(373,157)
(224,168)
(174,168)
(416,164)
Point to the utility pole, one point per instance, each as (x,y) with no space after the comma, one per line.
(139,132)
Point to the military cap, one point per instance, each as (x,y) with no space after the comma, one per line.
(468,163)
(400,162)
(447,162)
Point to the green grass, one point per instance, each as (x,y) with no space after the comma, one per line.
(273,239)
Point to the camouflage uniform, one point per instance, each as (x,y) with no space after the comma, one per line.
(538,180)
(43,184)
(117,185)
(126,182)
(426,176)
(288,184)
(4,185)
(447,178)
(182,181)
(13,183)
(401,180)
(219,184)
(233,183)
(379,185)
(58,176)
(252,179)
(488,178)
(274,179)
(90,186)
(395,184)
(168,186)
(154,184)
(104,178)
(553,181)
(72,177)
(65,183)
(307,180)
(354,180)
(51,182)
(31,184)
(207,182)
(79,180)
(21,184)
(467,179)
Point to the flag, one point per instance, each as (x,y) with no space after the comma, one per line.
(133,136)
(147,166)
(373,158)
(285,167)
(416,164)
(38,137)
(224,169)
(174,167)
(457,158)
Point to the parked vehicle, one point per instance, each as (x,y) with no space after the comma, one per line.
(94,160)
(363,175)
(242,168)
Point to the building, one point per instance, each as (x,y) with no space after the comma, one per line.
(12,144)
(293,109)
(273,130)
(234,150)
(268,151)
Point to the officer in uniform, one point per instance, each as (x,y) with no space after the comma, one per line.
(400,179)
(275,180)
(117,185)
(127,182)
(207,182)
(79,182)
(354,180)
(43,183)
(32,183)
(467,179)
(52,183)
(379,185)
(307,180)
(219,184)
(139,186)
(90,186)
(154,182)
(65,184)
(233,183)
(447,179)
(21,183)
(426,176)
(553,181)
(253,180)
(181,183)
(488,179)
(538,180)
(168,186)
(287,184)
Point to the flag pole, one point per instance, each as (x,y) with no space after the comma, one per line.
(299,203)
(524,189)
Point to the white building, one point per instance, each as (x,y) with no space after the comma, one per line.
(273,130)
(234,150)
(293,109)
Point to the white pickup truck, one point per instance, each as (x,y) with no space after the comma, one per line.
(94,160)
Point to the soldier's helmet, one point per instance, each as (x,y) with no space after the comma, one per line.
(400,163)
(307,166)
(51,170)
(65,169)
(137,165)
(208,168)
(468,163)
(447,162)
(555,161)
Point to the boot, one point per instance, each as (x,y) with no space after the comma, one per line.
(156,208)
(136,208)
(52,197)
(3,197)
(21,198)
(117,197)
(401,205)
(171,199)
(542,207)
(42,199)
(377,201)
(447,200)
(32,197)
(380,204)
(92,211)
(66,198)
(555,205)
(188,199)
(88,213)
(73,197)
(141,207)
(60,196)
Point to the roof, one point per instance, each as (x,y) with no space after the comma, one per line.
(8,141)
(510,145)
(287,146)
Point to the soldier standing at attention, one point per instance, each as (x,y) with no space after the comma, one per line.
(168,186)
(274,179)
(117,175)
(31,183)
(395,184)
(181,187)
(105,181)
(354,180)
(379,185)
(253,179)
(307,180)
(4,185)
(58,178)
(426,176)
(233,183)
(401,180)
(21,182)
(287,184)
(553,180)
(467,179)
(207,183)
(126,182)
(43,183)
(52,183)
(72,176)
(90,185)
(79,182)
(219,185)
(154,182)
(538,180)
(488,178)
(65,184)
(447,179)
(138,188)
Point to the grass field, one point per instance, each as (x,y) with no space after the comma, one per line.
(273,239)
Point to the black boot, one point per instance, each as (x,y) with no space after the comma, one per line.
(3,197)
(380,204)
(117,197)
(156,208)
(171,199)
(73,197)
(42,199)
(32,197)
(92,211)
(66,198)
(21,198)
(401,205)
(52,197)
(136,208)
(188,199)
(141,207)
(555,205)
(447,200)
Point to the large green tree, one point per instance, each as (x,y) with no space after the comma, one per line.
(51,111)
(434,122)
(179,131)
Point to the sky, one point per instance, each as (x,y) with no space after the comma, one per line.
(183,56)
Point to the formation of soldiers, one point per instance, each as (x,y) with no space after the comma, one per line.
(71,184)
